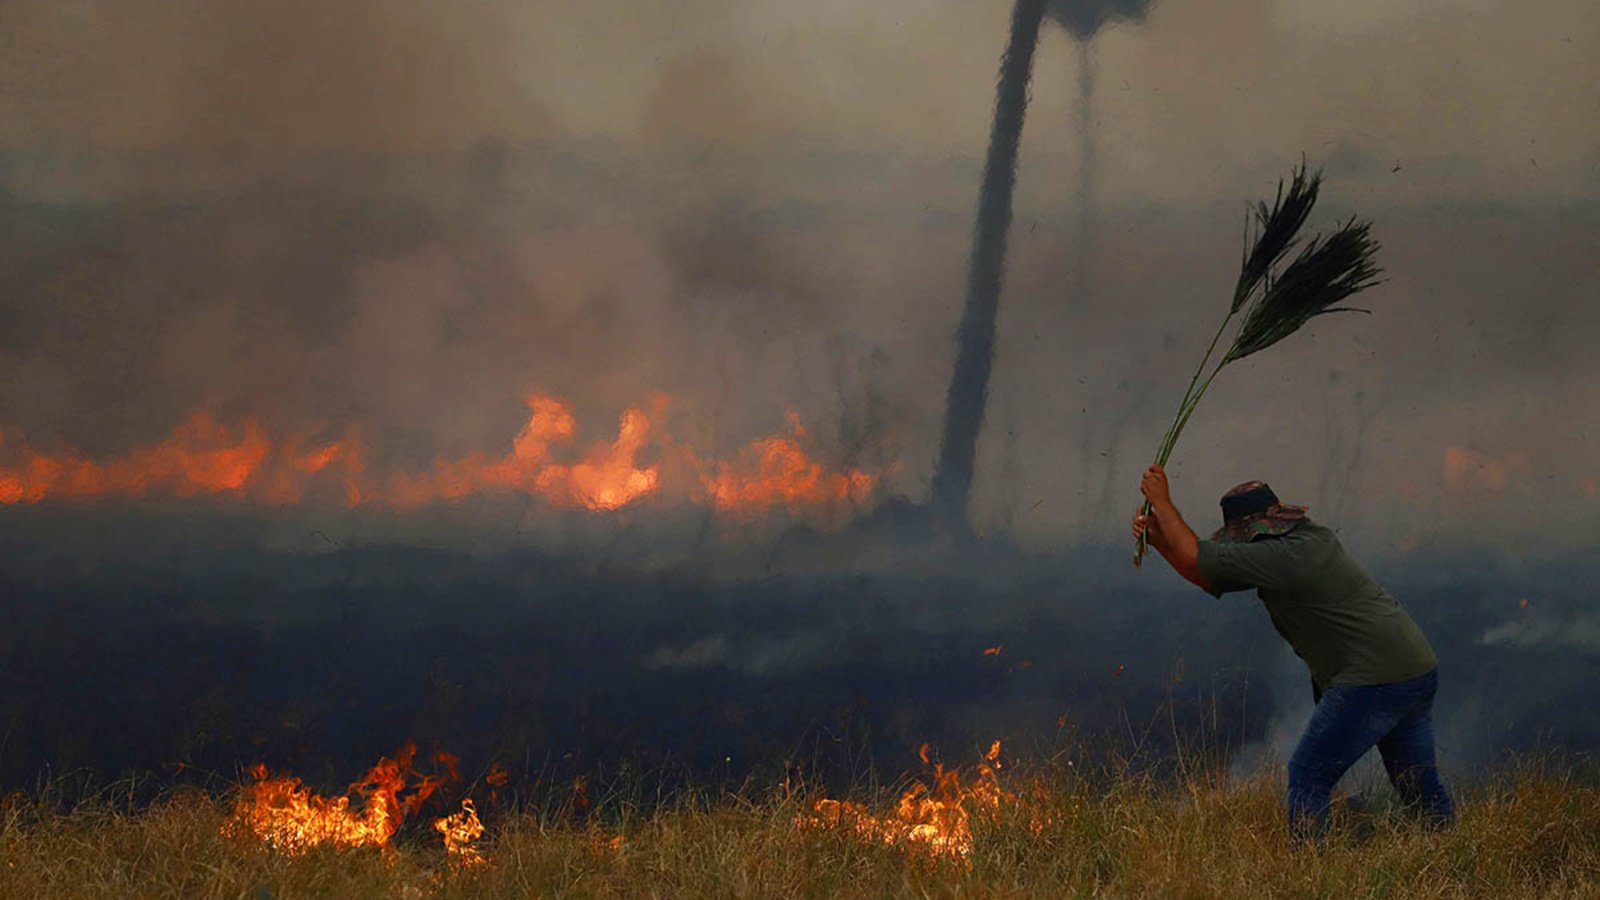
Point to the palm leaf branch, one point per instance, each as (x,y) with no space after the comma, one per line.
(1326,271)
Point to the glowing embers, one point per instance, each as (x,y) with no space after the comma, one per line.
(933,818)
(292,818)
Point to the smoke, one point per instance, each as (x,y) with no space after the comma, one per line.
(969,384)
(1578,633)
(1085,18)
(404,220)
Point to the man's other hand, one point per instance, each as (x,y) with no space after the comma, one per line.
(1154,487)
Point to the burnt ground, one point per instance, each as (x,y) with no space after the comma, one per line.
(190,665)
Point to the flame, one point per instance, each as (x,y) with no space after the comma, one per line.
(202,456)
(932,818)
(496,779)
(993,651)
(292,818)
(549,422)
(607,478)
(460,830)
(777,471)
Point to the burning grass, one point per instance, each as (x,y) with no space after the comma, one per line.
(1532,832)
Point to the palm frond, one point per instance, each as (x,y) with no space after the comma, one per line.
(1276,231)
(1325,272)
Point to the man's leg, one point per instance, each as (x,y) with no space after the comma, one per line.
(1348,721)
(1408,757)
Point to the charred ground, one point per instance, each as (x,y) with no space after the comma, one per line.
(215,654)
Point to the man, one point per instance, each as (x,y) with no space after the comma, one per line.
(1373,673)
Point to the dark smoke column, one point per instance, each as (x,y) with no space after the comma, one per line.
(969,385)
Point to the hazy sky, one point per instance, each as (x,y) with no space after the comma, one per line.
(406,216)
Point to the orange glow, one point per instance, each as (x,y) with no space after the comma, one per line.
(777,471)
(993,651)
(549,422)
(292,818)
(607,478)
(1465,468)
(931,818)
(203,456)
(200,457)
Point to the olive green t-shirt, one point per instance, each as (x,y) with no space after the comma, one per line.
(1341,621)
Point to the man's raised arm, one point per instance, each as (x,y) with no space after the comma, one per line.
(1169,533)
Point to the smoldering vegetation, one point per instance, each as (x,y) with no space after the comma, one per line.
(216,654)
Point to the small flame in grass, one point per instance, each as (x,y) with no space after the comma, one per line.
(292,818)
(496,779)
(993,651)
(460,831)
(932,818)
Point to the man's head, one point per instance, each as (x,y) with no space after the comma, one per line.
(1251,510)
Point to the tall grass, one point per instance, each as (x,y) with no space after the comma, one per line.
(1531,831)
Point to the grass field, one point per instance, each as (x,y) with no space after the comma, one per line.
(1530,832)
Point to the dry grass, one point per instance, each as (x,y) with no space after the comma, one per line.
(1531,833)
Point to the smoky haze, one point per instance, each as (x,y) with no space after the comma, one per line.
(402,219)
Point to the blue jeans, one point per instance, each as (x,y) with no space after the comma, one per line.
(1349,720)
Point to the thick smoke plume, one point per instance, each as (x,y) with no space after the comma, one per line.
(969,385)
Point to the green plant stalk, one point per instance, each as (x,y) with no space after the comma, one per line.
(1185,409)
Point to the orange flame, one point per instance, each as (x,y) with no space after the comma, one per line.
(292,818)
(201,457)
(929,818)
(460,830)
(993,651)
(777,471)
(204,457)
(607,478)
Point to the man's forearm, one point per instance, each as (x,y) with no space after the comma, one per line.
(1177,543)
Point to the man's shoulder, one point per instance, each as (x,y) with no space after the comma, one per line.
(1306,531)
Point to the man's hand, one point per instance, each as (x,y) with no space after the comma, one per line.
(1146,527)
(1154,487)
(1165,528)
